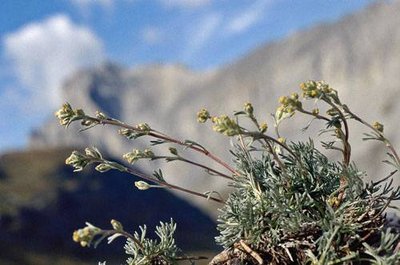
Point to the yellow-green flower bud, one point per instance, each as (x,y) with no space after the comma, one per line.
(294,96)
(282,140)
(315,112)
(144,127)
(141,185)
(133,156)
(283,100)
(378,126)
(103,167)
(227,126)
(263,127)
(248,108)
(203,115)
(65,114)
(85,235)
(116,225)
(128,133)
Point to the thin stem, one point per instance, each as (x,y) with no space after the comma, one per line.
(162,136)
(171,186)
(206,168)
(161,183)
(312,114)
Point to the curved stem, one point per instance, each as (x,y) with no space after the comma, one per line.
(161,183)
(171,186)
(318,116)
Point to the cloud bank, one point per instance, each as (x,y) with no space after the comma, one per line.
(43,54)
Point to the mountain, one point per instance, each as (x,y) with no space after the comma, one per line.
(359,55)
(43,202)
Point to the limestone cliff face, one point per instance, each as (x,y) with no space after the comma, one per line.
(358,55)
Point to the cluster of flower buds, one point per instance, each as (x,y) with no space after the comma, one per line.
(203,115)
(288,106)
(248,108)
(66,115)
(79,161)
(86,235)
(135,155)
(225,125)
(140,130)
(314,89)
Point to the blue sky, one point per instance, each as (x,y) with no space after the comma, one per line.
(43,41)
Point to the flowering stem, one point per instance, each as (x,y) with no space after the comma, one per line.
(171,186)
(161,136)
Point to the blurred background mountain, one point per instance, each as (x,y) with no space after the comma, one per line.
(42,202)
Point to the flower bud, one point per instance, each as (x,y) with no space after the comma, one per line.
(141,185)
(144,127)
(378,126)
(263,127)
(282,140)
(203,115)
(248,108)
(117,225)
(103,167)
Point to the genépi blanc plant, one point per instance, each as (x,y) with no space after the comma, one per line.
(290,204)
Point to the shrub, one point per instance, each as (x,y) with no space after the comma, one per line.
(290,204)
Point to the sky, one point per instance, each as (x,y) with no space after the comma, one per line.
(42,42)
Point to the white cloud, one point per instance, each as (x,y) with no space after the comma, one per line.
(43,54)
(187,4)
(202,34)
(152,35)
(248,17)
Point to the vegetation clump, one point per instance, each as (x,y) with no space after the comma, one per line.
(290,204)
